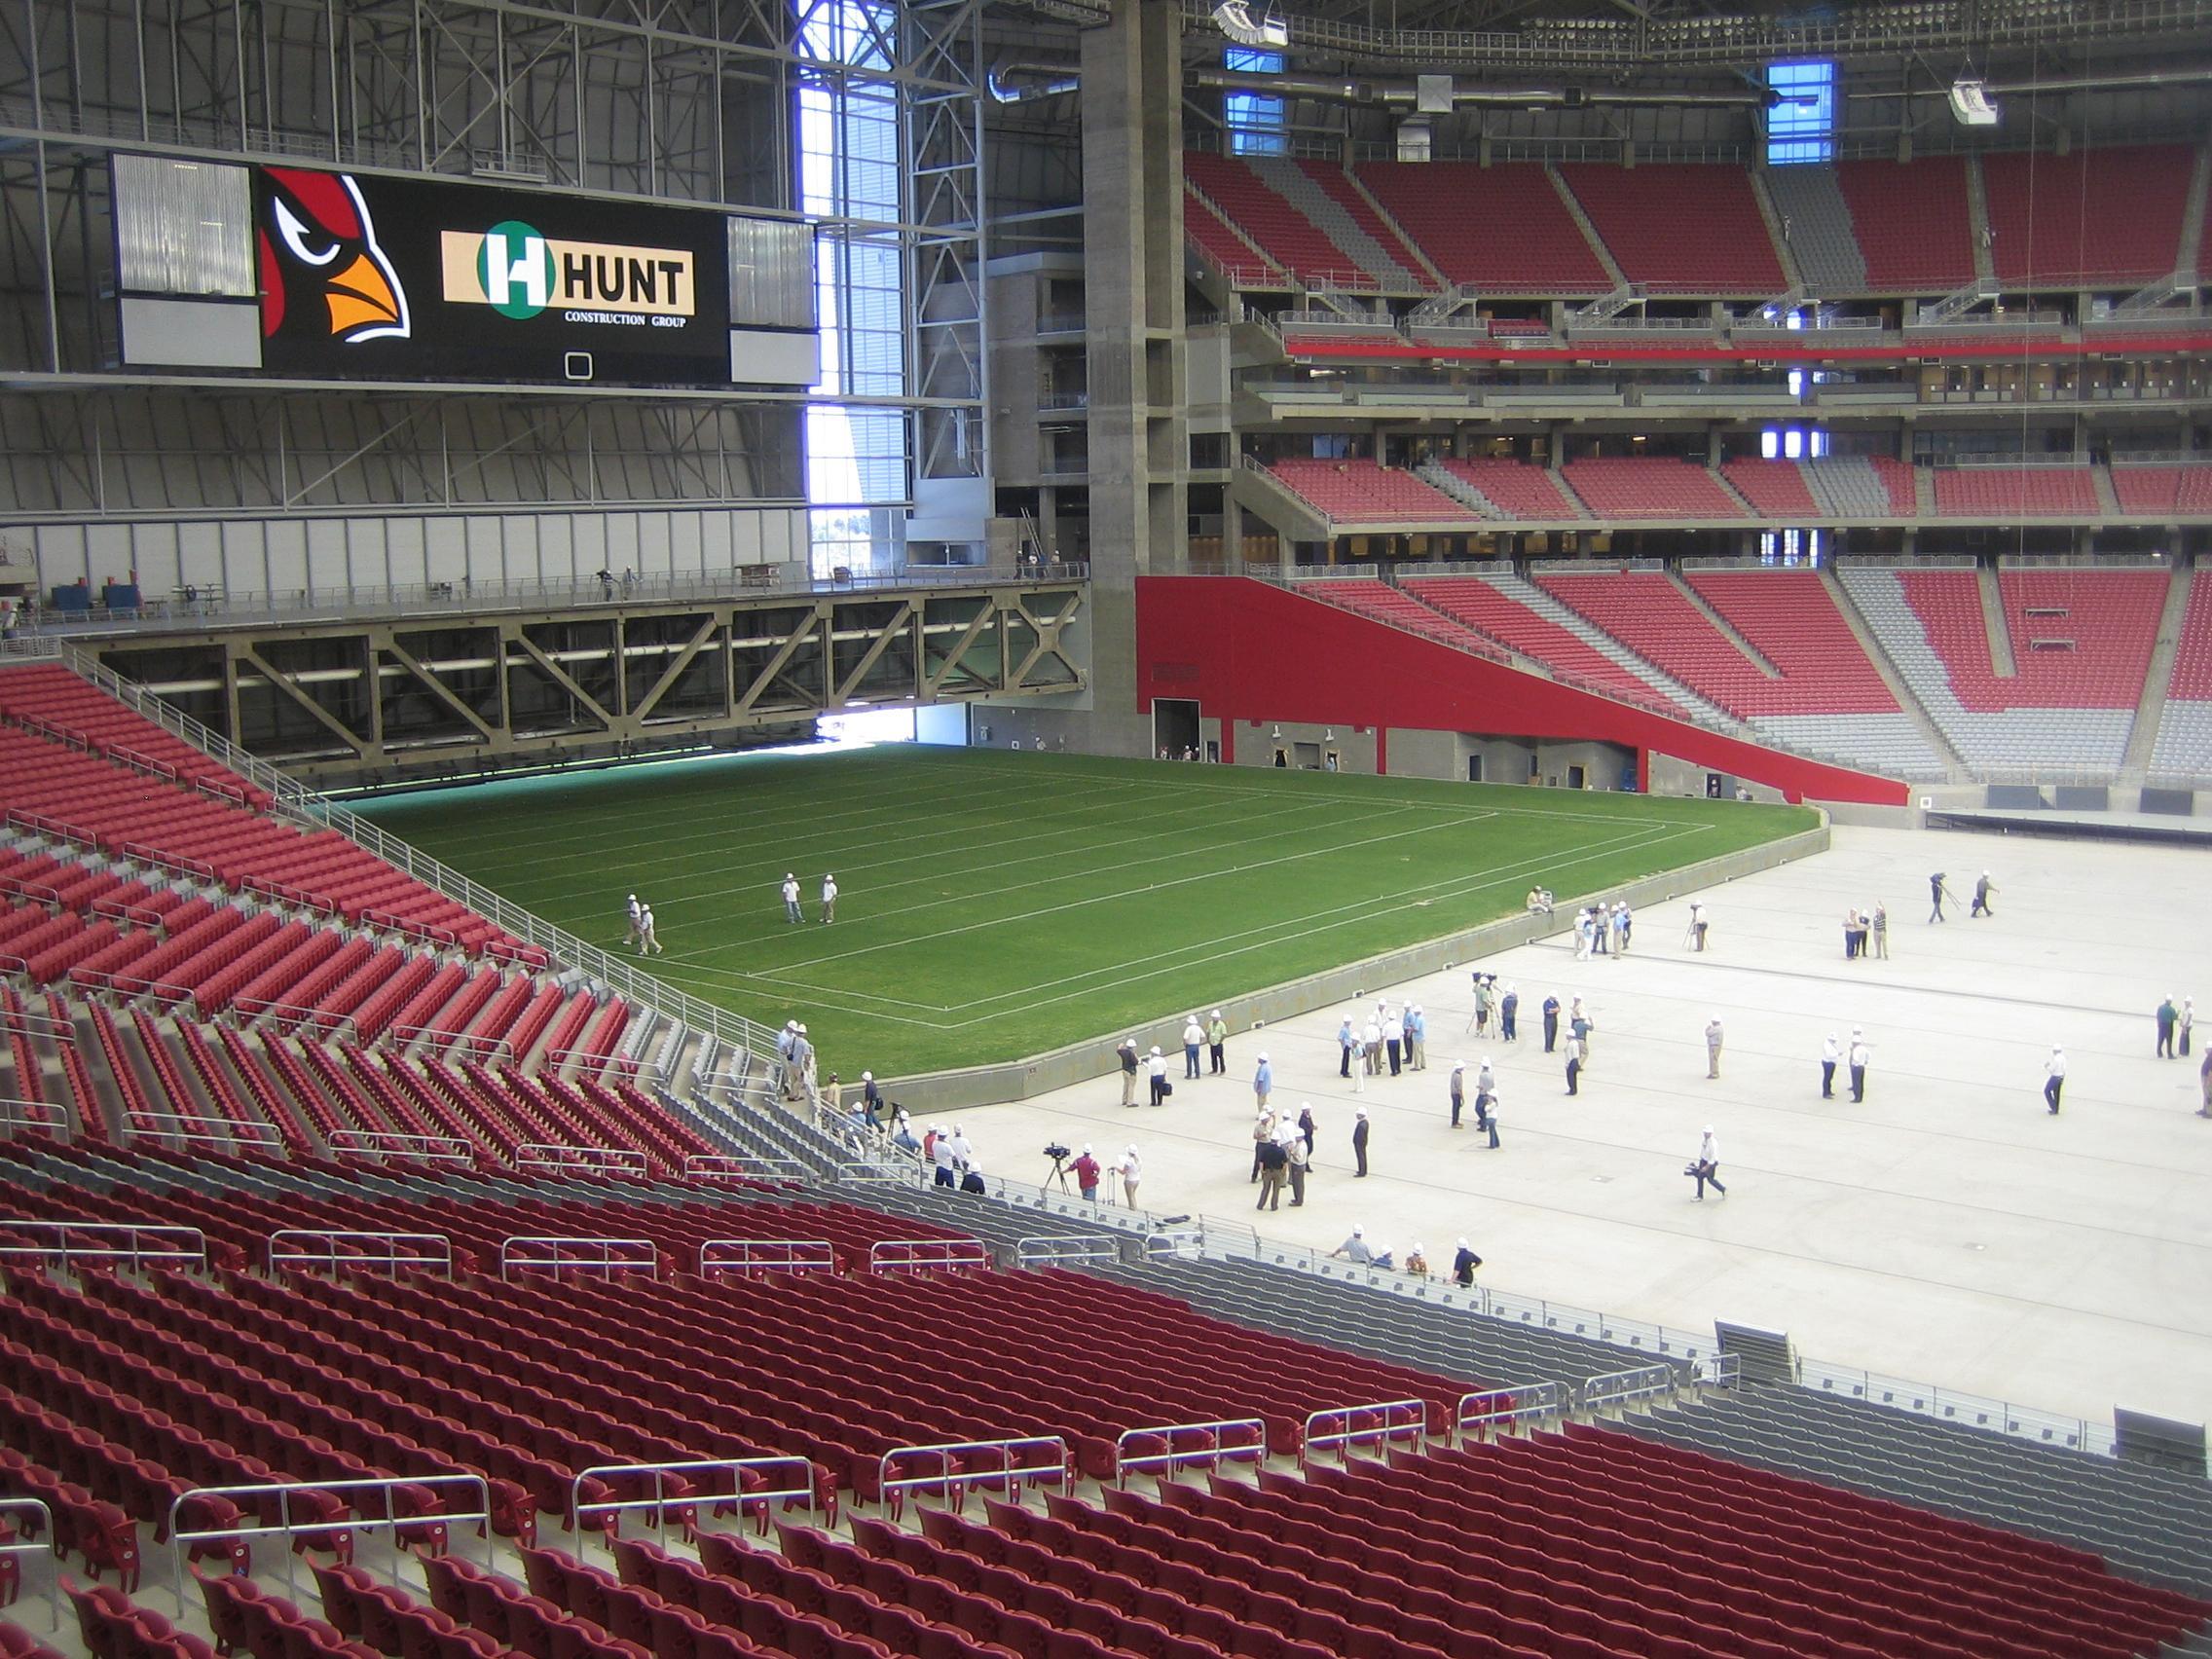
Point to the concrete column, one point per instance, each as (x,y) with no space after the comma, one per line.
(1133,190)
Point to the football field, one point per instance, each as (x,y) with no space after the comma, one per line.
(995,904)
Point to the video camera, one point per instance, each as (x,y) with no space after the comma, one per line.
(1055,1151)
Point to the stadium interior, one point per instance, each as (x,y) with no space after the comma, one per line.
(1656,397)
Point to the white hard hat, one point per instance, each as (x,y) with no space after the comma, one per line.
(1263,1053)
(1708,1129)
(1086,1148)
(1155,1048)
(1217,1014)
(1362,1112)
(1358,1231)
(867,1076)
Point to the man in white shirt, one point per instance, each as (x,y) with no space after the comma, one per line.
(1706,1166)
(829,900)
(648,938)
(1354,1249)
(791,895)
(1373,1038)
(1831,1052)
(2054,1078)
(1394,1040)
(635,911)
(1194,1039)
(1712,1046)
(963,1155)
(1156,1069)
(941,1155)
(1861,1057)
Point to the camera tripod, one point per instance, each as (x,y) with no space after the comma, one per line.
(1059,1172)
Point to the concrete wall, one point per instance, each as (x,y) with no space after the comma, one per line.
(935,1093)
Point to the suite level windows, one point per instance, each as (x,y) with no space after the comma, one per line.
(1800,126)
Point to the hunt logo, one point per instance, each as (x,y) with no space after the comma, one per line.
(520,273)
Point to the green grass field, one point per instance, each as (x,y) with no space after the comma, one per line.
(999,904)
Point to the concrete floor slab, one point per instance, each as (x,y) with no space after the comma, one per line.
(1948,1230)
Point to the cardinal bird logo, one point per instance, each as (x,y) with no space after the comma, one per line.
(322,273)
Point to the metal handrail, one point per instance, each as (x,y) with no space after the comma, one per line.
(1177,1244)
(1717,1371)
(1393,1423)
(64,1251)
(1046,1248)
(765,1255)
(1254,1449)
(588,1159)
(954,1485)
(1616,1390)
(31,1025)
(608,1473)
(516,1252)
(385,1143)
(293,1017)
(876,1170)
(42,1545)
(479,1045)
(389,1261)
(890,1255)
(181,1541)
(731,1166)
(1482,1414)
(225,1131)
(34,1113)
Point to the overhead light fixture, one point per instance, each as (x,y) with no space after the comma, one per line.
(1236,20)
(1970,104)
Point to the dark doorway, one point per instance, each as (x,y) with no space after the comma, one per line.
(1175,725)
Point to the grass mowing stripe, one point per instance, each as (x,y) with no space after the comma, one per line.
(995,907)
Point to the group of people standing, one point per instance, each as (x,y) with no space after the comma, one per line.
(1603,929)
(792,913)
(1389,1036)
(1867,933)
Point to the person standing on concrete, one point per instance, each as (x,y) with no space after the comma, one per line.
(1346,1044)
(941,1155)
(1698,925)
(829,900)
(1574,1066)
(1861,1057)
(1982,889)
(1463,1265)
(1582,1024)
(1416,1039)
(1879,928)
(1705,1166)
(1217,1039)
(1371,1043)
(1263,1132)
(2166,1017)
(1127,1054)
(1551,1024)
(1490,1119)
(2204,1079)
(1306,1128)
(2182,1022)
(1086,1169)
(1459,1087)
(1831,1052)
(1194,1038)
(1131,1172)
(1937,892)
(1850,932)
(1293,1151)
(1485,999)
(1362,1062)
(1274,1161)
(2054,1077)
(1360,1141)
(1393,1040)
(1509,1016)
(1712,1047)
(1156,1069)
(790,897)
(1263,1080)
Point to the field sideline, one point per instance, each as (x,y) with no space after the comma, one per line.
(996,904)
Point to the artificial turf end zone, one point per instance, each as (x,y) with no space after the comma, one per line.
(995,904)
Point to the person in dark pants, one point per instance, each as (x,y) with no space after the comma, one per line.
(2054,1078)
(1509,1016)
(1573,1064)
(1464,1264)
(1345,1043)
(1935,892)
(1831,1052)
(2166,1017)
(1127,1054)
(1861,1056)
(1982,889)
(1274,1161)
(1489,1104)
(1551,1023)
(1706,1166)
(1458,1090)
(1306,1128)
(1217,1039)
(1360,1141)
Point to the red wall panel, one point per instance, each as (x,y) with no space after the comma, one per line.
(1249,652)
